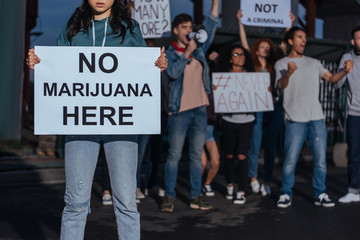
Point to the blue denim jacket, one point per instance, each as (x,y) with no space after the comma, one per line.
(177,64)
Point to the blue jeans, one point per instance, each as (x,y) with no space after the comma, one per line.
(143,141)
(272,123)
(194,122)
(353,141)
(295,135)
(80,163)
(255,145)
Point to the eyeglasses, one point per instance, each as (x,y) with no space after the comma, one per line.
(238,54)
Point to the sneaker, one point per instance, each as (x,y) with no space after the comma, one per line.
(137,201)
(146,192)
(230,193)
(139,194)
(107,200)
(324,200)
(200,203)
(161,192)
(255,186)
(265,190)
(168,204)
(240,198)
(350,197)
(284,201)
(207,190)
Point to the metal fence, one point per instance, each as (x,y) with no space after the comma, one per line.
(333,102)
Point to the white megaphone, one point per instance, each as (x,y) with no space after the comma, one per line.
(200,35)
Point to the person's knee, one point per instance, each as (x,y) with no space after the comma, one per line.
(78,207)
(241,157)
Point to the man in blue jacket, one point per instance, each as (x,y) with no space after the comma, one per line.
(190,83)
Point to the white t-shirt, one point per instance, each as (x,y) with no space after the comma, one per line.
(301,96)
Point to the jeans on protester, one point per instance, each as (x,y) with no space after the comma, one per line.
(353,141)
(255,145)
(272,123)
(194,123)
(80,163)
(143,143)
(295,135)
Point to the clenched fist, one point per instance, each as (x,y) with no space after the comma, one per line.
(348,66)
(291,67)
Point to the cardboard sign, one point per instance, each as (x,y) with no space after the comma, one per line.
(97,90)
(153,17)
(242,92)
(266,13)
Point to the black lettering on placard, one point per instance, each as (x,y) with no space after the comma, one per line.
(67,115)
(109,116)
(86,115)
(82,59)
(266,7)
(50,91)
(91,66)
(101,63)
(122,115)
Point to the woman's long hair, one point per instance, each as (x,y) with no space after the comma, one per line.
(223,62)
(82,16)
(270,60)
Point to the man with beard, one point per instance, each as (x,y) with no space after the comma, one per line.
(299,76)
(353,118)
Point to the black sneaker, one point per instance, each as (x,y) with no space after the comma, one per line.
(168,204)
(324,200)
(240,198)
(200,203)
(284,201)
(207,190)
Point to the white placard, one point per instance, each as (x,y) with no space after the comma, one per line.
(153,17)
(242,92)
(266,13)
(97,90)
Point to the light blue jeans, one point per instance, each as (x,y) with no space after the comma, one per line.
(194,123)
(295,135)
(255,145)
(80,163)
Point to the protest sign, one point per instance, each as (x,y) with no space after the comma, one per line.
(242,92)
(97,90)
(153,17)
(266,13)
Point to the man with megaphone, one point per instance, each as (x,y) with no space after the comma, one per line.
(190,83)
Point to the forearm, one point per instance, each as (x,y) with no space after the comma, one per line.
(283,82)
(337,76)
(215,8)
(243,38)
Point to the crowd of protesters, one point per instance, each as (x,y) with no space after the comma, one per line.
(188,113)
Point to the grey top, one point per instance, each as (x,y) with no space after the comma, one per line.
(353,78)
(301,96)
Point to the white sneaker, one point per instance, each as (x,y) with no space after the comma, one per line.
(265,190)
(284,201)
(229,192)
(161,192)
(350,197)
(107,200)
(139,194)
(255,186)
(240,198)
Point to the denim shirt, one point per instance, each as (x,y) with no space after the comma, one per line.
(177,64)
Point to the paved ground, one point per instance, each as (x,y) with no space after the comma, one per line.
(34,211)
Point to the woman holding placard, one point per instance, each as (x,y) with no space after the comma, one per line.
(264,57)
(236,128)
(100,23)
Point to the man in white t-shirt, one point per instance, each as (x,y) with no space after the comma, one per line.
(299,76)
